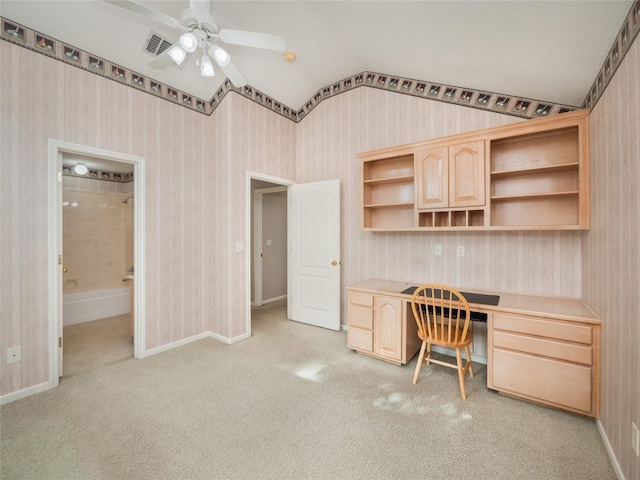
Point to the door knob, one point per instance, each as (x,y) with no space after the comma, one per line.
(64,270)
(335,262)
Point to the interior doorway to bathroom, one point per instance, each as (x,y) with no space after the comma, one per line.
(98,262)
(96,215)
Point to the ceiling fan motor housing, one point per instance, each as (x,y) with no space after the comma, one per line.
(188,21)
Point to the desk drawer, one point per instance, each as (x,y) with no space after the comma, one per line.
(549,381)
(544,328)
(360,339)
(361,317)
(359,298)
(569,352)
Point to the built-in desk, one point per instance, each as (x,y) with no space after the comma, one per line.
(541,348)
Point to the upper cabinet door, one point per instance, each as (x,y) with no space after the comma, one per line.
(467,174)
(432,178)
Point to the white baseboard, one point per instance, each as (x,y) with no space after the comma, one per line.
(25,392)
(178,343)
(612,455)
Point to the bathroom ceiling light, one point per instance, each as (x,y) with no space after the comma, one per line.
(80,169)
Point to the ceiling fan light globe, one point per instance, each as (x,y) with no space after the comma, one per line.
(206,67)
(221,57)
(189,42)
(177,54)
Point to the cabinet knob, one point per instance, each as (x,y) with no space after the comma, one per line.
(64,270)
(335,262)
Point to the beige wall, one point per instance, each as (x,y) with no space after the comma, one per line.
(611,262)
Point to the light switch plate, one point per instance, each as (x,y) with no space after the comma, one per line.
(239,247)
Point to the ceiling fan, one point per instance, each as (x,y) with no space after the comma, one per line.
(201,31)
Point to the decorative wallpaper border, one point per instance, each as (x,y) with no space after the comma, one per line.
(491,101)
(626,36)
(67,171)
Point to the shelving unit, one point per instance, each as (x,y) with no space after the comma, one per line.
(535,179)
(389,193)
(527,176)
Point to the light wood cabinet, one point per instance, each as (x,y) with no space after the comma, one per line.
(528,175)
(381,326)
(545,360)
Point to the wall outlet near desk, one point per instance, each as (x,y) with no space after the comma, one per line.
(14,354)
(635,439)
(438,250)
(460,251)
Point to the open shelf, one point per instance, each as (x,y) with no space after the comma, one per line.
(389,169)
(540,211)
(533,170)
(390,180)
(389,217)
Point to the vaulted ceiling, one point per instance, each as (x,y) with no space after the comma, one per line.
(544,50)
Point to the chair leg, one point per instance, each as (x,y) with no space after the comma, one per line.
(428,355)
(461,374)
(420,362)
(468,352)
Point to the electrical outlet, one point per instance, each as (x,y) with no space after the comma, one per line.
(14,355)
(438,250)
(460,251)
(635,439)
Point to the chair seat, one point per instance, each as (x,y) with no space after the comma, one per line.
(445,343)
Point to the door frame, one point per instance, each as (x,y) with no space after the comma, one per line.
(56,149)
(248,240)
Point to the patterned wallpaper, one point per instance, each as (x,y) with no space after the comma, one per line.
(490,101)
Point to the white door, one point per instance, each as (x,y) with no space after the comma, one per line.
(314,262)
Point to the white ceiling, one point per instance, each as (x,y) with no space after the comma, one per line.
(543,50)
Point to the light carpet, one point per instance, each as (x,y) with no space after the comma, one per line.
(291,402)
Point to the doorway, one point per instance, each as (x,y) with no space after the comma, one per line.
(109,203)
(98,262)
(259,185)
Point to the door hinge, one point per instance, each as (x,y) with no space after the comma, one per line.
(59,259)
(59,342)
(59,177)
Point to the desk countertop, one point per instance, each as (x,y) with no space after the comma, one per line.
(564,308)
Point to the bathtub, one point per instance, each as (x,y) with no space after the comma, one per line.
(93,305)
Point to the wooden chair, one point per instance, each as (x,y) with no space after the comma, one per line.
(443,316)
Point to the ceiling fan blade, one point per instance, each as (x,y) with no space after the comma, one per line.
(254,39)
(145,11)
(199,10)
(233,74)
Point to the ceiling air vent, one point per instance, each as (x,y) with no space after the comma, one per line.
(155,44)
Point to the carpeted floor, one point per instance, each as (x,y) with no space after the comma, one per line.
(91,345)
(291,402)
